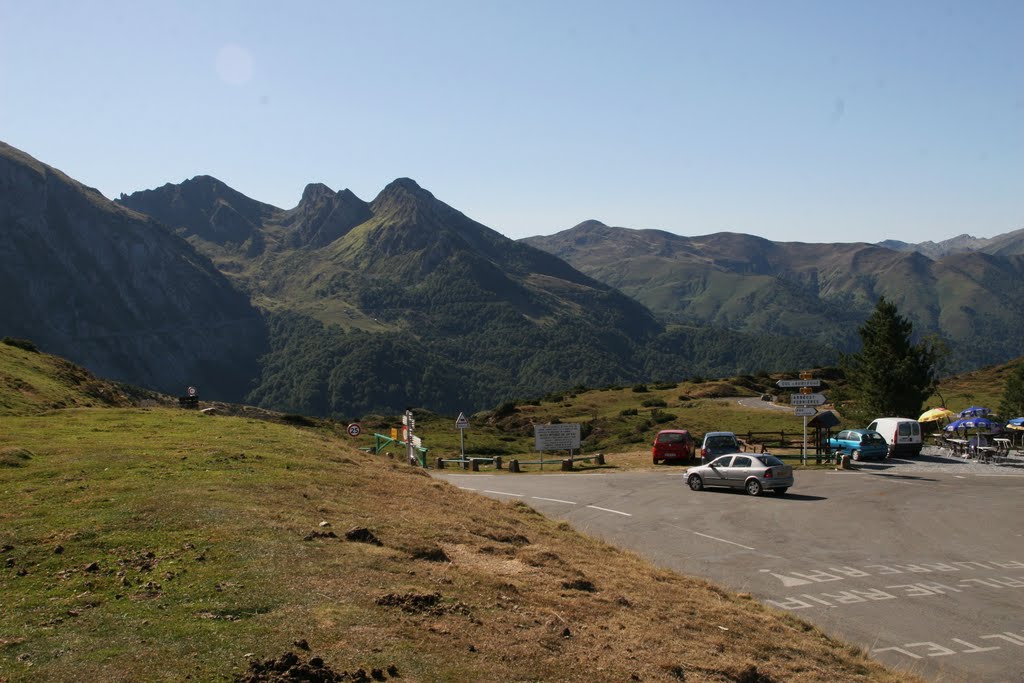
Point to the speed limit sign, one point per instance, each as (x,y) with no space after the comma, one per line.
(354,429)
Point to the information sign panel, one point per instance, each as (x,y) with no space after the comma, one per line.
(560,437)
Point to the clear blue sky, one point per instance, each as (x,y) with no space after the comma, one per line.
(814,121)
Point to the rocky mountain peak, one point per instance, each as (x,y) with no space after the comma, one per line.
(315,192)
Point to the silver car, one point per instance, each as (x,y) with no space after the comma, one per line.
(750,471)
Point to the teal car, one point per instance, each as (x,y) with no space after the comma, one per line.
(860,444)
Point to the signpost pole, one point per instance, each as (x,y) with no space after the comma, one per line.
(462,443)
(803,451)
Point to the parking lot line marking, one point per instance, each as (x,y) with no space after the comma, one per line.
(715,538)
(624,514)
(554,500)
(504,493)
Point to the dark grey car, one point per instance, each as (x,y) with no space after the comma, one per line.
(753,472)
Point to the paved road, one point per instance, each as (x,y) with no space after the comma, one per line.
(920,562)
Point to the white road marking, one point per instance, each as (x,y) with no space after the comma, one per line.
(466,488)
(554,500)
(504,493)
(715,538)
(624,514)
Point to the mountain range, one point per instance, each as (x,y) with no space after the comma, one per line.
(340,306)
(972,297)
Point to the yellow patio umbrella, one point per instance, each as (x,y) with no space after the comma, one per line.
(935,414)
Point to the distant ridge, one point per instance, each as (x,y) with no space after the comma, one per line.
(972,296)
(113,290)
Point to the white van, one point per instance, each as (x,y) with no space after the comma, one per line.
(901,433)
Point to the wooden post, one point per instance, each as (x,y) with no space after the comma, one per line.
(474,465)
(513,465)
(497,462)
(600,458)
(567,465)
(440,464)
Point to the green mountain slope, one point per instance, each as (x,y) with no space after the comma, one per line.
(819,292)
(113,290)
(414,303)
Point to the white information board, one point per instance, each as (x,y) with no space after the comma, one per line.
(561,437)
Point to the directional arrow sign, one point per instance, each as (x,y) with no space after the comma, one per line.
(806,399)
(790,383)
(417,442)
(805,411)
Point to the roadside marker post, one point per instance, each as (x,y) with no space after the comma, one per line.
(462,424)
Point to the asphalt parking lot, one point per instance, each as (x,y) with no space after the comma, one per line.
(919,561)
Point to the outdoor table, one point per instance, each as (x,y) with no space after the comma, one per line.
(959,447)
(987,453)
(1002,445)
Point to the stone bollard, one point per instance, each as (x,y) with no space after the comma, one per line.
(513,465)
(474,465)
(440,464)
(497,462)
(567,465)
(600,458)
(844,462)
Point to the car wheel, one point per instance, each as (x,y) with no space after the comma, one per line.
(656,461)
(754,487)
(696,483)
(855,455)
(782,490)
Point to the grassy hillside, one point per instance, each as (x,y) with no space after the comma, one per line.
(153,544)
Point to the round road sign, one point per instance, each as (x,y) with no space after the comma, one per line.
(354,429)
(191,391)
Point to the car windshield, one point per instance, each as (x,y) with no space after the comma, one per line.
(770,460)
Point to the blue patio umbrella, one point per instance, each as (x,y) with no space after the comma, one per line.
(979,423)
(1016,422)
(974,411)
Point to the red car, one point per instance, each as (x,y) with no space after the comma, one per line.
(672,444)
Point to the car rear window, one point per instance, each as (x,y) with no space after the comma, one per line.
(671,437)
(721,442)
(872,438)
(770,460)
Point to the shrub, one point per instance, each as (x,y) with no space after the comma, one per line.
(658,417)
(684,398)
(299,420)
(639,388)
(661,386)
(23,344)
(627,412)
(505,409)
(654,403)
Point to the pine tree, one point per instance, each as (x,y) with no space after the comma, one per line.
(890,376)
(1013,394)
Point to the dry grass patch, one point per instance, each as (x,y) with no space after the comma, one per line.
(178,557)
